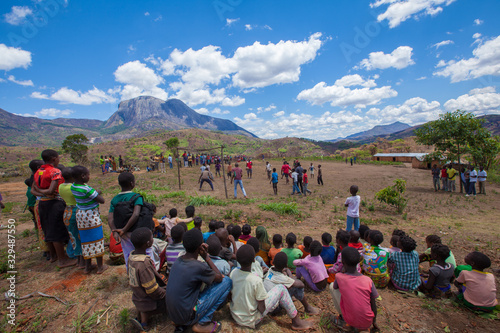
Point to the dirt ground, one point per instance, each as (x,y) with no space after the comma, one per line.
(465,224)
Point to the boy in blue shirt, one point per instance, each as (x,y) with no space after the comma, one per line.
(328,251)
(274,181)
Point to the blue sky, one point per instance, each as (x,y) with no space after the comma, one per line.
(316,69)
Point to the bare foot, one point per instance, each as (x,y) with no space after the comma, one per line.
(301,325)
(101,269)
(312,310)
(53,259)
(90,269)
(67,263)
(213,326)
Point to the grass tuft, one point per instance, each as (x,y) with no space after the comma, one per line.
(205,200)
(281,208)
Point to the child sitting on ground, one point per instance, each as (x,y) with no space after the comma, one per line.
(404,272)
(212,226)
(394,244)
(175,248)
(88,219)
(189,220)
(438,283)
(169,221)
(148,287)
(246,230)
(354,295)
(197,221)
(236,233)
(426,256)
(328,251)
(214,248)
(264,244)
(305,247)
(354,241)
(186,304)
(363,235)
(279,274)
(259,267)
(375,259)
(291,252)
(476,288)
(226,240)
(312,268)
(278,245)
(250,302)
(342,240)
(352,204)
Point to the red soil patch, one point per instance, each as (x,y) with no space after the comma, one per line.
(70,283)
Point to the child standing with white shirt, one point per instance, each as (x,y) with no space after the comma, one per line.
(352,204)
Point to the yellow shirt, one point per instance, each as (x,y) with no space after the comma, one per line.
(65,193)
(451,173)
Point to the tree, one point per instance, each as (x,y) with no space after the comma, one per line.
(485,152)
(172,144)
(393,195)
(76,146)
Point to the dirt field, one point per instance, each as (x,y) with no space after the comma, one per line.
(465,224)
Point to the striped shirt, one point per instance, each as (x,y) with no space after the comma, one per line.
(84,196)
(173,252)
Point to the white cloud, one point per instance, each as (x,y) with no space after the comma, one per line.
(421,78)
(279,114)
(248,27)
(401,10)
(229,21)
(202,111)
(216,111)
(480,101)
(268,27)
(12,57)
(18,15)
(51,112)
(261,109)
(139,80)
(399,58)
(70,96)
(146,14)
(413,111)
(486,61)
(477,35)
(443,43)
(26,83)
(478,22)
(159,18)
(340,95)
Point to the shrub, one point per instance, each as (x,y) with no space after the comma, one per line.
(281,208)
(393,195)
(205,200)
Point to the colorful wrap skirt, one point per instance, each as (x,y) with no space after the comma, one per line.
(74,247)
(91,232)
(379,280)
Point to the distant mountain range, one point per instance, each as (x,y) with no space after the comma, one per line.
(376,131)
(134,117)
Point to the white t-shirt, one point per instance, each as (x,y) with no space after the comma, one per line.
(473,176)
(353,206)
(295,176)
(247,290)
(274,278)
(268,167)
(481,176)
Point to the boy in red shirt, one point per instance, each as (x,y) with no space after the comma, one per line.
(51,207)
(249,169)
(305,182)
(285,171)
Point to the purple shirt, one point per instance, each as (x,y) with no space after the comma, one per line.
(314,266)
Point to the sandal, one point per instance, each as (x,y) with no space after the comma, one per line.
(217,326)
(137,324)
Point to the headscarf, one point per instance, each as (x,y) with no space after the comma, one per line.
(263,237)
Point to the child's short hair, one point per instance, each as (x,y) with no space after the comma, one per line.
(291,239)
(342,237)
(245,255)
(197,222)
(307,242)
(67,173)
(214,245)
(177,232)
(362,231)
(229,228)
(274,169)
(48,155)
(172,213)
(408,244)
(353,236)
(140,237)
(398,232)
(183,225)
(353,189)
(319,165)
(480,260)
(277,239)
(350,256)
(254,242)
(192,240)
(440,251)
(326,238)
(35,165)
(280,261)
(212,225)
(220,224)
(190,211)
(78,171)
(236,232)
(376,237)
(246,230)
(394,240)
(125,179)
(433,239)
(315,248)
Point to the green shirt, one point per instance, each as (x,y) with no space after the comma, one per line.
(292,254)
(124,196)
(65,193)
(450,260)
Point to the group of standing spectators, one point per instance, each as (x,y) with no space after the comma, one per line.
(445,178)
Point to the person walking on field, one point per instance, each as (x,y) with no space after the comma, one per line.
(320,175)
(435,177)
(237,177)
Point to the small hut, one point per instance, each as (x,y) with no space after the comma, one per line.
(417,160)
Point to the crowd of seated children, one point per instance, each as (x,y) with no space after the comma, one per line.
(312,268)
(375,259)
(290,250)
(403,265)
(441,274)
(426,256)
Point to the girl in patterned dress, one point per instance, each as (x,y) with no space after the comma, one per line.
(88,219)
